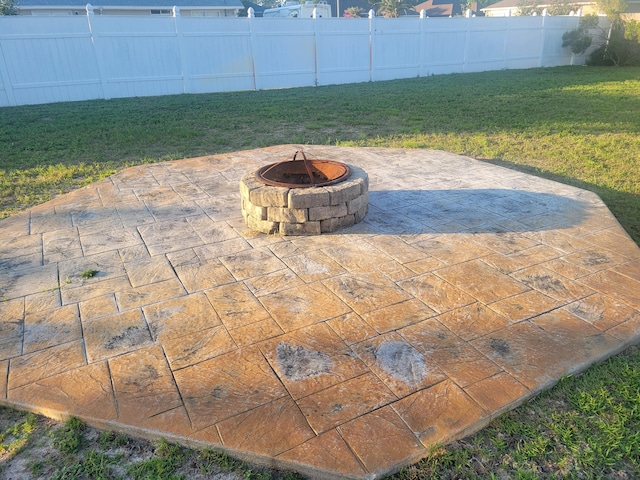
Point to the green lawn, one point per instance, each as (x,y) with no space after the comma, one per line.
(577,125)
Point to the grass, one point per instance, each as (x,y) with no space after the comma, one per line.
(576,125)
(74,451)
(68,439)
(89,273)
(17,434)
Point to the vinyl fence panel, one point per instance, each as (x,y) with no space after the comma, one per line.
(485,44)
(48,60)
(444,45)
(66,58)
(217,54)
(522,41)
(553,54)
(284,52)
(138,55)
(343,50)
(395,48)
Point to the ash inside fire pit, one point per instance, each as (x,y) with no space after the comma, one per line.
(304,197)
(303,173)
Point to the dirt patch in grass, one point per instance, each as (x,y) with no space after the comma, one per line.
(35,447)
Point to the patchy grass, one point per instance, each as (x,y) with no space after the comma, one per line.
(68,438)
(18,433)
(73,450)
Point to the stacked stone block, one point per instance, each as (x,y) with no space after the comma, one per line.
(304,211)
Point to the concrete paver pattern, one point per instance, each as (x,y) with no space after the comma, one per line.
(467,289)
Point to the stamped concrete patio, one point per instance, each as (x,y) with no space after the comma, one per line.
(467,289)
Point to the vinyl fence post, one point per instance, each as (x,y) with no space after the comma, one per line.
(6,78)
(314,15)
(252,41)
(421,62)
(372,16)
(466,45)
(542,37)
(184,69)
(98,60)
(505,42)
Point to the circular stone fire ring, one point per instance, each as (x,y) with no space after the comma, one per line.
(289,210)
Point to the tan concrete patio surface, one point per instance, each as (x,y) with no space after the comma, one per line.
(467,289)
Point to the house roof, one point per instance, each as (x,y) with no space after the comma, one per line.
(504,4)
(633,6)
(440,8)
(131,3)
(258,9)
(540,3)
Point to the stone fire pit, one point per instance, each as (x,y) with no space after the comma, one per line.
(304,197)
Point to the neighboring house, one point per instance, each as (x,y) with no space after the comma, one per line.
(258,10)
(505,8)
(433,8)
(196,8)
(633,10)
(441,8)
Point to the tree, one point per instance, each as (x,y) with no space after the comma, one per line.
(554,7)
(270,3)
(8,7)
(392,8)
(353,12)
(612,8)
(621,42)
(580,39)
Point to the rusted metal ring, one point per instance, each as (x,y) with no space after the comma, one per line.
(303,173)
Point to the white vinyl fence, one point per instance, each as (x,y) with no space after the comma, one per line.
(67,58)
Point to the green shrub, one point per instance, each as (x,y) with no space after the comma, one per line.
(579,39)
(621,50)
(8,7)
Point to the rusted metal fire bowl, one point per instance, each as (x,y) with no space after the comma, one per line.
(275,200)
(303,173)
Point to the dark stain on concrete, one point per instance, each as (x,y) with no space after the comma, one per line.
(299,363)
